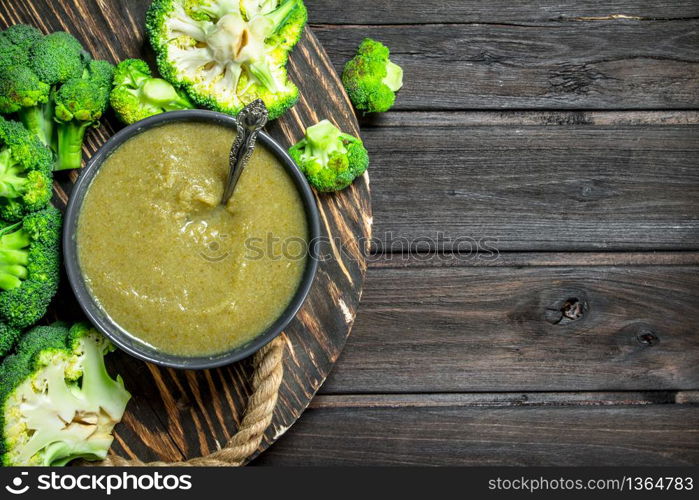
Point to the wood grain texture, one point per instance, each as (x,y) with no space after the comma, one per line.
(181,414)
(496,11)
(432,323)
(596,65)
(527,187)
(483,430)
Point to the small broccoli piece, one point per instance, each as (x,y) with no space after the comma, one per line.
(330,159)
(29,266)
(8,338)
(25,172)
(57,400)
(80,103)
(138,95)
(371,79)
(226,53)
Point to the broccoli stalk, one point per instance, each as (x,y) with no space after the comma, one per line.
(371,78)
(80,103)
(25,172)
(138,95)
(330,159)
(225,53)
(57,400)
(29,266)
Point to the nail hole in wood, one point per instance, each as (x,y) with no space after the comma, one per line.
(570,310)
(647,338)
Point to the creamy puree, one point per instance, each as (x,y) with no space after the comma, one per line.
(170,264)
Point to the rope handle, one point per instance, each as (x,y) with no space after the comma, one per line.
(266,379)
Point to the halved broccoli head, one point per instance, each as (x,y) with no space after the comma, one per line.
(29,266)
(138,95)
(227,53)
(371,79)
(57,400)
(330,159)
(25,171)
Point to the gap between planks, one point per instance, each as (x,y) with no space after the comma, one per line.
(500,399)
(531,259)
(505,118)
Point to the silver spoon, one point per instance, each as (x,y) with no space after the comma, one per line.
(250,121)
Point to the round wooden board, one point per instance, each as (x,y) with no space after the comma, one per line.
(176,415)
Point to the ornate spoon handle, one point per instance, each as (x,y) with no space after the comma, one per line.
(250,121)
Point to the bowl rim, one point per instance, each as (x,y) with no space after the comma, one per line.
(99,317)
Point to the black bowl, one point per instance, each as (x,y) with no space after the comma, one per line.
(100,318)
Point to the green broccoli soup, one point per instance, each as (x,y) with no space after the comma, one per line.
(169,263)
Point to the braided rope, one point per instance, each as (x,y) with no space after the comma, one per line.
(266,379)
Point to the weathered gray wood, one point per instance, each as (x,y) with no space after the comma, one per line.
(535,187)
(446,430)
(494,11)
(606,65)
(427,327)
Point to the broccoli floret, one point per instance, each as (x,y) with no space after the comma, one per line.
(15,42)
(8,338)
(227,53)
(330,159)
(29,266)
(25,172)
(138,95)
(371,79)
(80,103)
(57,58)
(57,400)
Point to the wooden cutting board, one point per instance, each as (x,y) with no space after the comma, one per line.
(176,415)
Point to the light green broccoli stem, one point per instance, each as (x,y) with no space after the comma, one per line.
(11,181)
(323,139)
(39,121)
(14,256)
(70,144)
(279,15)
(394,77)
(162,93)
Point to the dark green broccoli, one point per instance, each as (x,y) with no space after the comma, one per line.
(33,71)
(29,266)
(15,42)
(58,57)
(8,338)
(330,159)
(57,400)
(371,79)
(25,171)
(228,53)
(80,103)
(138,95)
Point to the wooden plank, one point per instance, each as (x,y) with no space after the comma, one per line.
(603,65)
(426,327)
(494,11)
(521,118)
(442,430)
(535,187)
